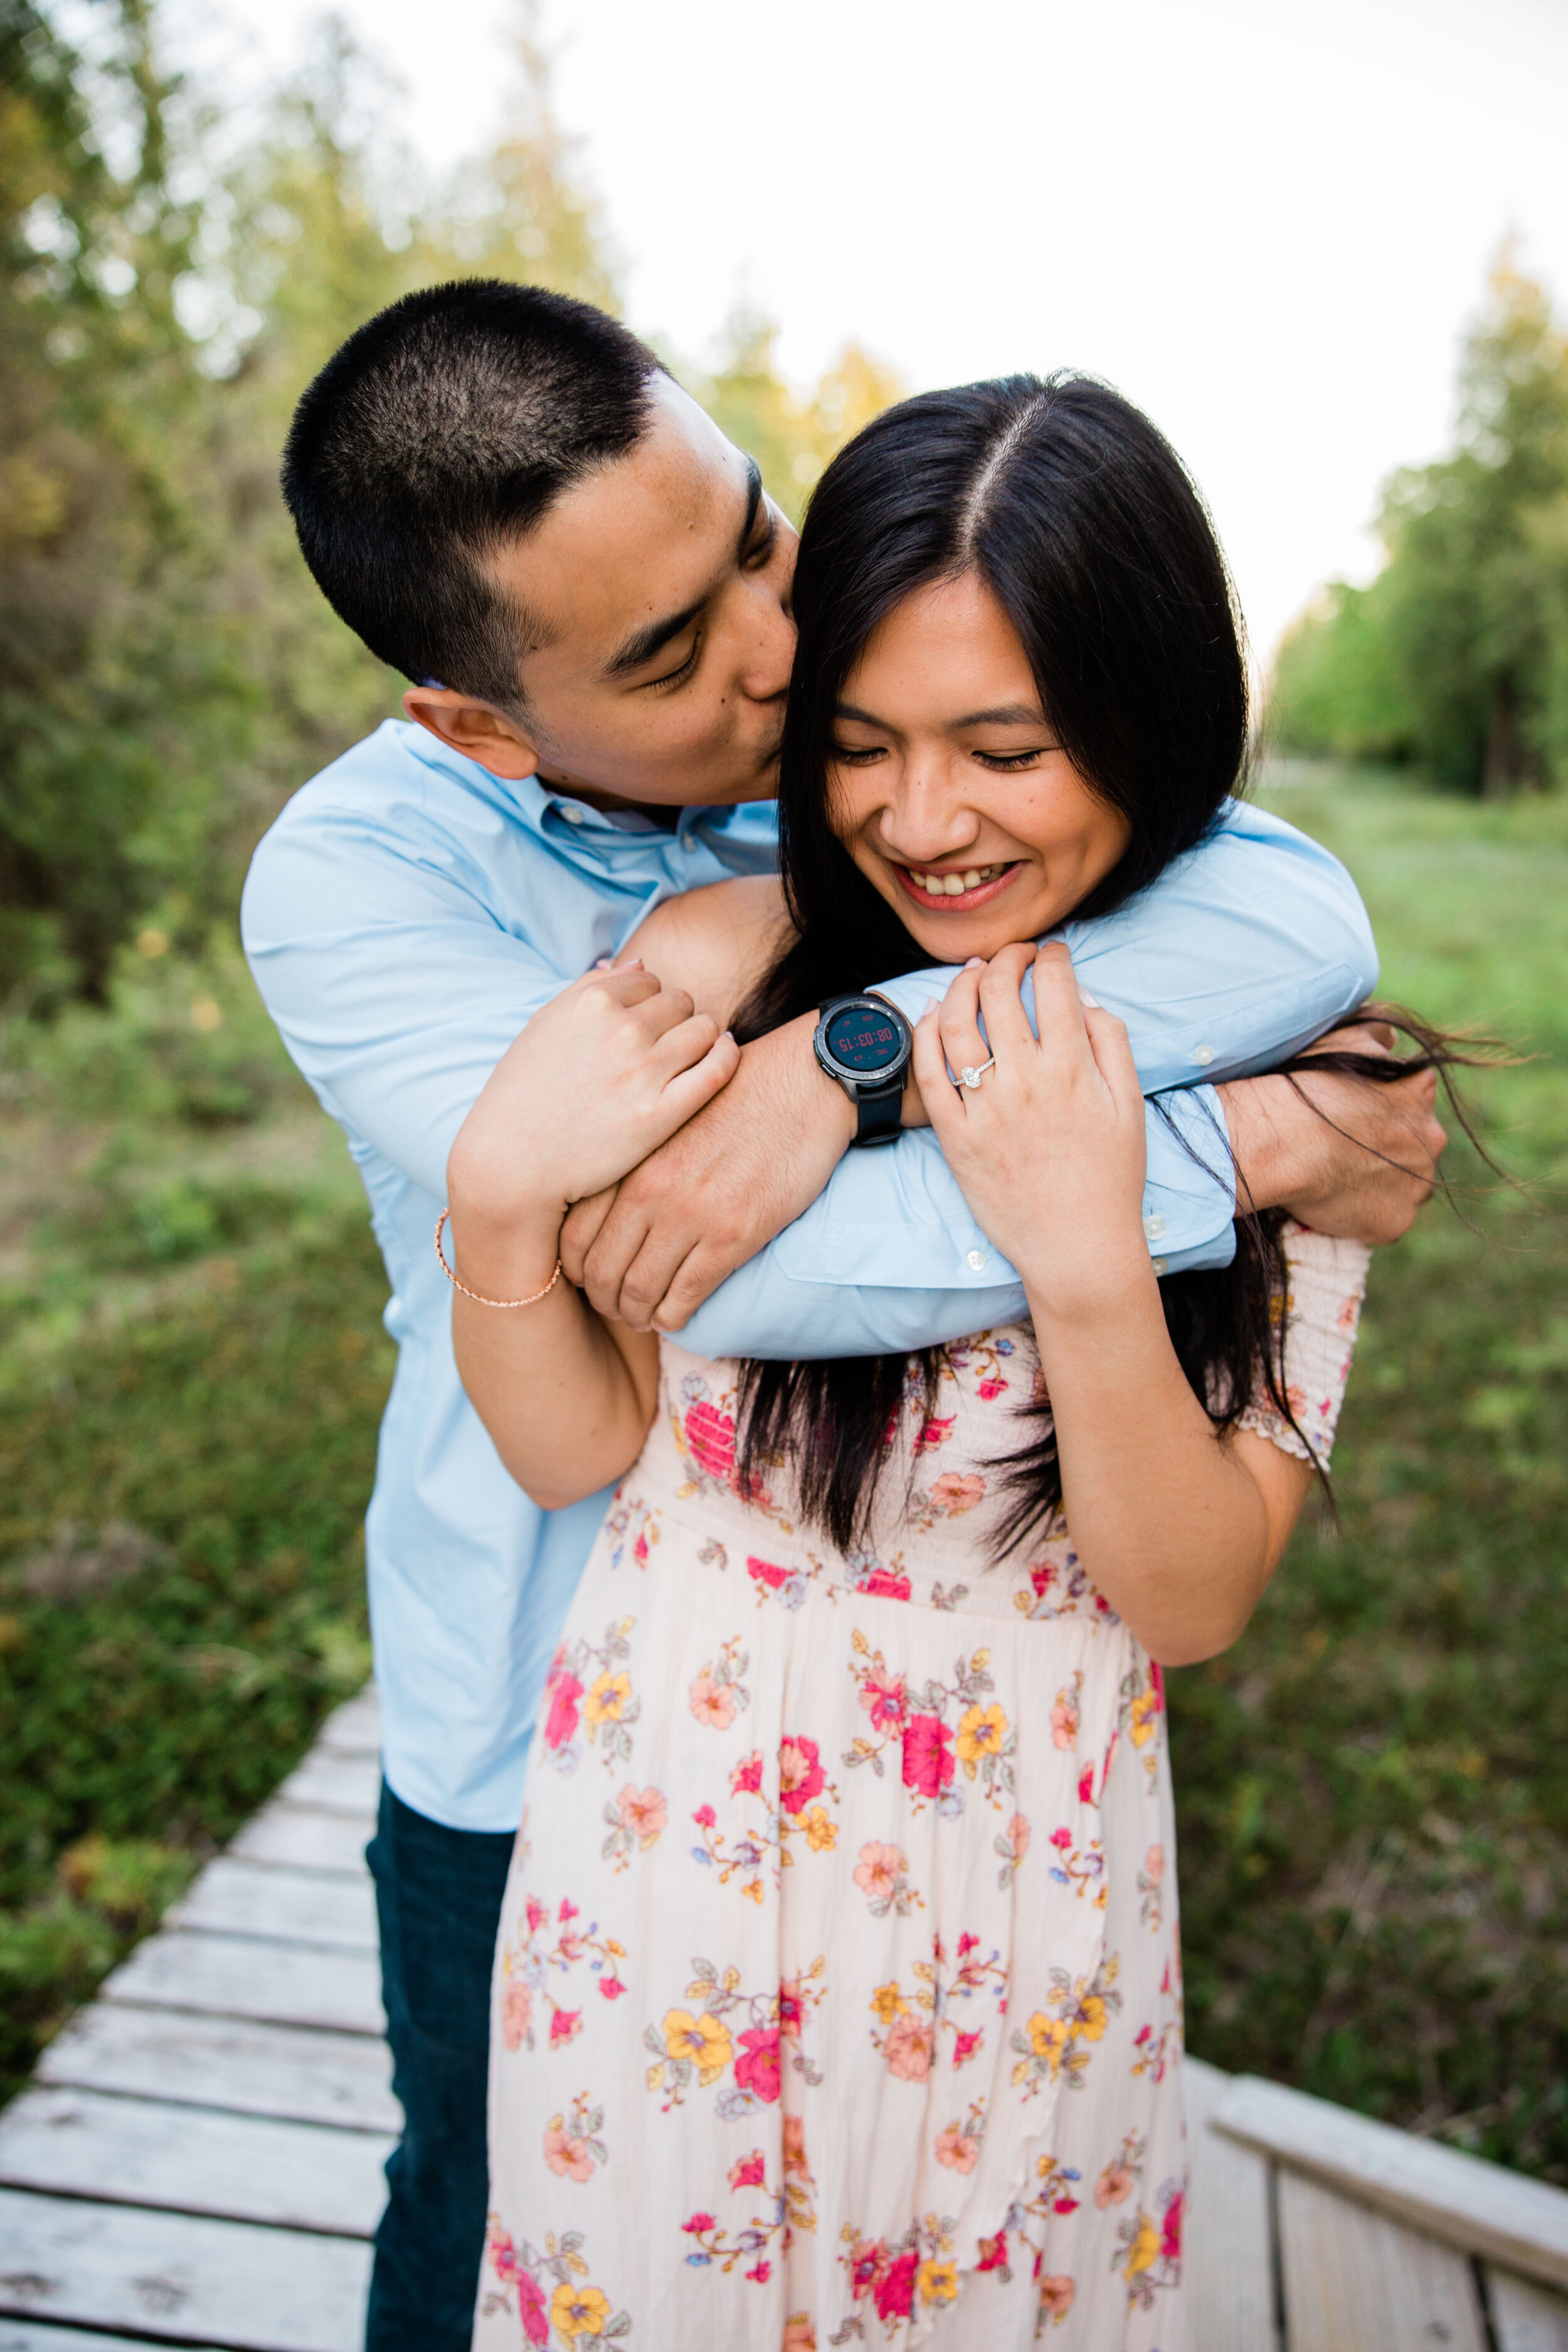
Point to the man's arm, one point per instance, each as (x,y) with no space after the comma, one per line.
(1245,948)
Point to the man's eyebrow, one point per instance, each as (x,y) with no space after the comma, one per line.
(641,647)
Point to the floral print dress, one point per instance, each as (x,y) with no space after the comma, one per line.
(838,1994)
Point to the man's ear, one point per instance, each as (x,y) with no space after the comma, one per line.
(479,730)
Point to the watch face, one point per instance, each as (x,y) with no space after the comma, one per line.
(862,1038)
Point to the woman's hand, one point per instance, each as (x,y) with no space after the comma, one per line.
(601,1076)
(1049,1148)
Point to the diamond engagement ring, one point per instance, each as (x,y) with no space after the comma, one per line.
(970,1076)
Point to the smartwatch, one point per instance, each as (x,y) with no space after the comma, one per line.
(865,1043)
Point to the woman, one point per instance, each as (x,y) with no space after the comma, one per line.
(838,1992)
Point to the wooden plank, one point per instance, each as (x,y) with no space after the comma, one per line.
(21,2336)
(230,1976)
(337,1783)
(354,1730)
(302,1837)
(180,2278)
(1525,2317)
(218,2062)
(295,1906)
(1227,2229)
(1520,2223)
(193,2160)
(1357,2282)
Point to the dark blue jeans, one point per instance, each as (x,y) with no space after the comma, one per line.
(439,1894)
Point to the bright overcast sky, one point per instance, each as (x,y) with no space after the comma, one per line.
(1267,221)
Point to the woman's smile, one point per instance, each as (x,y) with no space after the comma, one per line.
(955,889)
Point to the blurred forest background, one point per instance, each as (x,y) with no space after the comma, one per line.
(192,1367)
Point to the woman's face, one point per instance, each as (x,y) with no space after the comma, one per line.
(948,788)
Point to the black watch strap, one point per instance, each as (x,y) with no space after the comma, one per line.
(879,1114)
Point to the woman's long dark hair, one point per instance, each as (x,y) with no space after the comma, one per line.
(1076,514)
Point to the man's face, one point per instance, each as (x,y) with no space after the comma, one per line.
(659,587)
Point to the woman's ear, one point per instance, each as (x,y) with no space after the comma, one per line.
(480,731)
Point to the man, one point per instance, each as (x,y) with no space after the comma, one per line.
(511,503)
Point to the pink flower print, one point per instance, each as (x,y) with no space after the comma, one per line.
(1154,1864)
(989,1388)
(749,2171)
(764,1572)
(1018,1836)
(1171,2235)
(932,1433)
(533,2307)
(566,2156)
(611,1986)
(757,2069)
(645,1812)
(894,2292)
(1061,1839)
(568,1910)
(964,2046)
(993,2253)
(747,1777)
(908,2048)
(538,1913)
(516,2013)
(698,2224)
(565,2025)
(801,1775)
(712,1704)
(799,2334)
(564,1690)
(884,1702)
(885,1586)
(1064,1722)
(795,2147)
(956,1492)
(791,2009)
(1157,1679)
(1114,2186)
(957,2150)
(928,1755)
(1085,1787)
(711,1440)
(1056,2296)
(762,2273)
(878,1870)
(705,1817)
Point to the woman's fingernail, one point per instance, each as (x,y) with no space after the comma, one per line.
(1085,998)
(973,963)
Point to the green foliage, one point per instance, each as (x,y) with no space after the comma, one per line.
(1371,1810)
(1457,656)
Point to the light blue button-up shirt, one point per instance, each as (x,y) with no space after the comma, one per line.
(406,916)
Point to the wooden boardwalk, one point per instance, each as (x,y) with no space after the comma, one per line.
(198,2160)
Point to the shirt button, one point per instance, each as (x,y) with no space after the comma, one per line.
(1203,1056)
(572,815)
(975,1261)
(1154,1227)
(1160,1264)
(688,844)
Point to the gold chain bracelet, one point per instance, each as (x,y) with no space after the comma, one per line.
(478,1297)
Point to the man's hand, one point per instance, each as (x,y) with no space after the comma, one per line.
(651,1250)
(1354,1159)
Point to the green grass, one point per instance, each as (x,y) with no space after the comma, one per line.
(1372,1805)
(1372,1800)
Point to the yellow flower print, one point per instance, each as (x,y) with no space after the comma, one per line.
(1091,2017)
(604,1701)
(937,2282)
(1146,1715)
(888,2002)
(703,2040)
(821,1833)
(578,2311)
(1050,2036)
(1144,2250)
(980,1733)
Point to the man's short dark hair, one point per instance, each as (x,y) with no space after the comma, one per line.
(444,427)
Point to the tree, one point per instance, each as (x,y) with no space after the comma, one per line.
(1457,655)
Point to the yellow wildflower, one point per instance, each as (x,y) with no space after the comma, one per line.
(1145,1712)
(578,2311)
(888,2002)
(937,2282)
(821,1833)
(980,1733)
(1144,2252)
(1048,2037)
(605,1699)
(702,2041)
(1091,2017)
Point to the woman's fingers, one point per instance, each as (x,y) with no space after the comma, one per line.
(1001,1001)
(683,1047)
(943,1105)
(958,1019)
(1112,1051)
(690,1089)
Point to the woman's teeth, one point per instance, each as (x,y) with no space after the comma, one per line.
(951,885)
